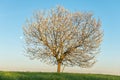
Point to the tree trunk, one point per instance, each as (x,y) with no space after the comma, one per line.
(59,67)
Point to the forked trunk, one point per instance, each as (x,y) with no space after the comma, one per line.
(59,67)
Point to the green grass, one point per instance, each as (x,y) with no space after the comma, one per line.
(54,76)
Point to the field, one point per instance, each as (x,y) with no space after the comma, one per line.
(54,76)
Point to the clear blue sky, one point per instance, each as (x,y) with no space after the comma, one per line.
(13,14)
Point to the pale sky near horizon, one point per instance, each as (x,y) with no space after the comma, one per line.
(13,14)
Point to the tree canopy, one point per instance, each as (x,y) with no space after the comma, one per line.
(62,37)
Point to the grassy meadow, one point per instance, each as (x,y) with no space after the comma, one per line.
(54,76)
